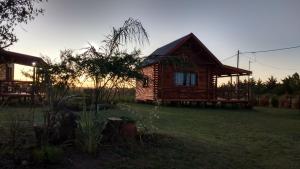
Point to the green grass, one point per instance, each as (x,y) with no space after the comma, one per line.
(224,138)
(32,114)
(209,138)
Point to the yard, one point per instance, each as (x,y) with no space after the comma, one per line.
(199,138)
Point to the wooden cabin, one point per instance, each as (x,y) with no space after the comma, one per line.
(11,88)
(186,71)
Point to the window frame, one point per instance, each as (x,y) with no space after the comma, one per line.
(187,80)
(145,82)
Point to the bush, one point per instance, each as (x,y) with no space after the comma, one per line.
(296,103)
(264,101)
(89,132)
(48,154)
(16,137)
(274,102)
(286,101)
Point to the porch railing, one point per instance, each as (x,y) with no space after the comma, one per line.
(233,94)
(16,87)
(209,95)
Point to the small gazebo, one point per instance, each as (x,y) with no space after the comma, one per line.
(11,88)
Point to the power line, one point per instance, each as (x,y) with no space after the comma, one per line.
(270,50)
(229,57)
(270,66)
(262,51)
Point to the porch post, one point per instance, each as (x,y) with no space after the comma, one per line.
(231,89)
(33,82)
(238,77)
(9,72)
(216,88)
(248,87)
(237,87)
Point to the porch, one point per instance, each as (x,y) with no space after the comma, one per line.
(218,95)
(18,89)
(233,93)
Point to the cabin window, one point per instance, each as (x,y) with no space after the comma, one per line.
(185,79)
(146,82)
(179,78)
(193,79)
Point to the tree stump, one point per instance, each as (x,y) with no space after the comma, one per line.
(119,130)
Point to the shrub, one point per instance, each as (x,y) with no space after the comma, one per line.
(89,132)
(296,103)
(286,101)
(274,102)
(264,101)
(16,137)
(48,154)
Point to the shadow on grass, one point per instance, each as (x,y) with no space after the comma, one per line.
(163,152)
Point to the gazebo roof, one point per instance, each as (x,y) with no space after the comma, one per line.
(18,58)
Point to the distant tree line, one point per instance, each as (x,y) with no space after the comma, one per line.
(289,85)
(272,92)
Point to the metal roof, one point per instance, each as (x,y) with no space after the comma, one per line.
(168,49)
(13,57)
(164,50)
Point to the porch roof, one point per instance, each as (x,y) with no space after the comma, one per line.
(18,58)
(226,70)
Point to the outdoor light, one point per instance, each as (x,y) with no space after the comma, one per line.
(33,64)
(250,76)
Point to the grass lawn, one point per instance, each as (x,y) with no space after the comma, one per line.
(206,138)
(218,138)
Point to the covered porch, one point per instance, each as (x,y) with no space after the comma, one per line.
(18,89)
(235,90)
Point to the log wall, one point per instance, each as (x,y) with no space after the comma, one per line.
(146,93)
(2,72)
(169,91)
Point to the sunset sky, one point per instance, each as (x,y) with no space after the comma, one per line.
(224,26)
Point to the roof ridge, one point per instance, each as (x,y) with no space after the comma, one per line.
(165,49)
(174,45)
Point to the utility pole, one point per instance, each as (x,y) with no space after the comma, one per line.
(238,59)
(238,77)
(249,65)
(249,87)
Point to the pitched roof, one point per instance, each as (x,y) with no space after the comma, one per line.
(169,48)
(166,49)
(23,59)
